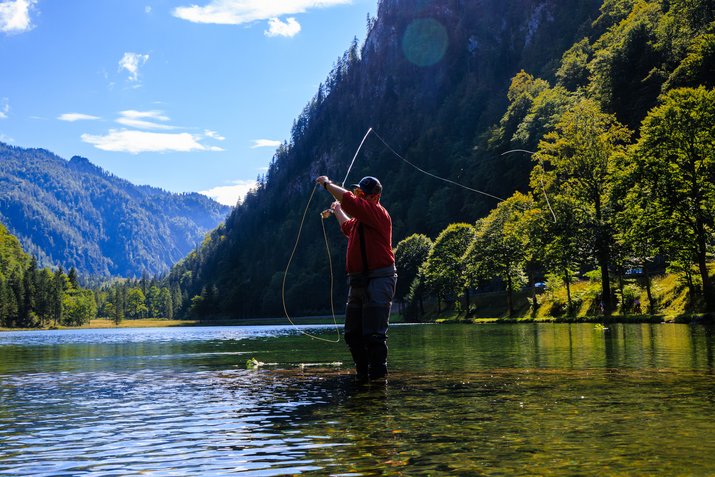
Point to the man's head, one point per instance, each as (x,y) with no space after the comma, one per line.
(369,186)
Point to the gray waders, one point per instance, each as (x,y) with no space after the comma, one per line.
(366,319)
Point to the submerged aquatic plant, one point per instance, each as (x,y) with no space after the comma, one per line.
(253,363)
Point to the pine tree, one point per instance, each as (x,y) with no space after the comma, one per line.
(59,285)
(73,279)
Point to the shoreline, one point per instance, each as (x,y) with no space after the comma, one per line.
(698,318)
(101,323)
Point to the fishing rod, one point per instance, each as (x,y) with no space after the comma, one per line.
(355,156)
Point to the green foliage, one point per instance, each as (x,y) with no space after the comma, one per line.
(698,67)
(409,256)
(545,111)
(573,73)
(499,250)
(522,93)
(624,58)
(136,304)
(79,307)
(32,297)
(675,161)
(12,257)
(578,167)
(443,269)
(613,12)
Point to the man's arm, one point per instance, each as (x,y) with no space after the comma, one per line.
(334,189)
(339,213)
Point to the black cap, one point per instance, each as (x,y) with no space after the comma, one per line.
(369,185)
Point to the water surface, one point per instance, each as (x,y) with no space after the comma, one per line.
(546,399)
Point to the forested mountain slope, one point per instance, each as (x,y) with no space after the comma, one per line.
(74,214)
(432,79)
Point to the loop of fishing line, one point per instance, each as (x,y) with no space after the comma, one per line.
(449,181)
(330,263)
(325,236)
(541,178)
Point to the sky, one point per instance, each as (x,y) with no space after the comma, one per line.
(185,95)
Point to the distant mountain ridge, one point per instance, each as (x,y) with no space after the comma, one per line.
(75,214)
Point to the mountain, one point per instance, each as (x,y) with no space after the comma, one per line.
(75,214)
(432,79)
(450,85)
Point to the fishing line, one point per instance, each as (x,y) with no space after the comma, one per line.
(541,178)
(325,236)
(330,263)
(449,181)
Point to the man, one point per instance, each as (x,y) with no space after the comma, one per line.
(372,275)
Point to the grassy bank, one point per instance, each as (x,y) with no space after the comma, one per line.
(672,303)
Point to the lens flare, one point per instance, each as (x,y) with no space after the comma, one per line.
(425,41)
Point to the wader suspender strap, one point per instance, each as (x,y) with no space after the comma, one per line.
(363,248)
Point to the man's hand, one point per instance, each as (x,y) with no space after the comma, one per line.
(335,189)
(336,207)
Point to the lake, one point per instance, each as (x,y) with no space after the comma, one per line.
(468,400)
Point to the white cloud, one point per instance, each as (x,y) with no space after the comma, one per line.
(236,12)
(135,142)
(265,143)
(71,117)
(138,119)
(288,29)
(6,139)
(131,62)
(15,16)
(229,195)
(154,114)
(147,9)
(4,108)
(136,139)
(213,135)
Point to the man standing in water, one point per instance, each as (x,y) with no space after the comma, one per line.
(372,275)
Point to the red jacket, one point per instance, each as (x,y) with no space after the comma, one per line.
(377,230)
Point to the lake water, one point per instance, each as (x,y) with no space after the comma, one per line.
(532,399)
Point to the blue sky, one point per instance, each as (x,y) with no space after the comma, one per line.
(184,95)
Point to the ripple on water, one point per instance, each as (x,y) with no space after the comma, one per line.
(193,411)
(148,422)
